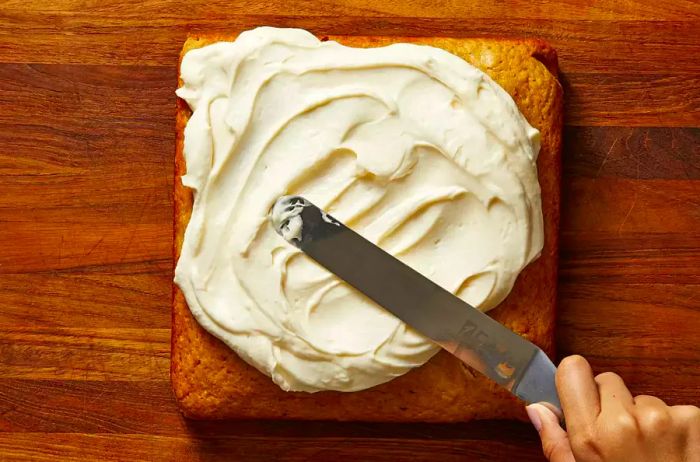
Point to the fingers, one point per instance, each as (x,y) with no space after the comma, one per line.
(687,419)
(606,423)
(578,393)
(614,395)
(687,416)
(687,422)
(555,442)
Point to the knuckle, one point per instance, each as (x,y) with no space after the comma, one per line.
(585,444)
(551,449)
(607,377)
(581,439)
(693,413)
(569,368)
(623,424)
(648,401)
(654,421)
(573,362)
(687,416)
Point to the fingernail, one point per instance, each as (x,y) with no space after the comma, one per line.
(534,416)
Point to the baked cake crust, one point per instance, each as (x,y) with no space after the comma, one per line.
(211,382)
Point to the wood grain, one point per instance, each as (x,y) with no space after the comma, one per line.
(633,46)
(85,354)
(206,9)
(81,447)
(125,295)
(87,103)
(639,153)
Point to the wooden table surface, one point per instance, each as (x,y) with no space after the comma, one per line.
(87,135)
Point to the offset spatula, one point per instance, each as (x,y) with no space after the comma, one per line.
(472,336)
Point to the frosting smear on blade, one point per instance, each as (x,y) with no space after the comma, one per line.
(413,148)
(286,217)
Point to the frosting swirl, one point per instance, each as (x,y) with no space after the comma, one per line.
(409,145)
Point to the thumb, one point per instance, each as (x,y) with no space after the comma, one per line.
(555,441)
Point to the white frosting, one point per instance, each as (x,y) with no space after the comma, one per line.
(409,145)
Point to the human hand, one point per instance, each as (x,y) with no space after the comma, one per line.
(606,424)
